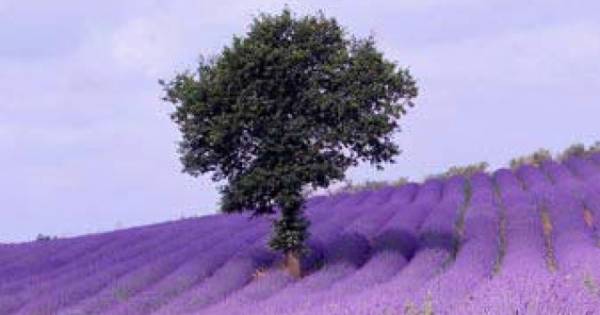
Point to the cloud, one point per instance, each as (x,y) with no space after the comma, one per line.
(87,141)
(430,4)
(5,5)
(147,44)
(498,96)
(551,55)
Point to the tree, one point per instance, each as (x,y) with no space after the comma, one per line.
(292,104)
(536,158)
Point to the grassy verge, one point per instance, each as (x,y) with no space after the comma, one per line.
(501,230)
(547,228)
(459,226)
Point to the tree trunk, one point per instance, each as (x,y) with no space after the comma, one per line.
(290,232)
(292,264)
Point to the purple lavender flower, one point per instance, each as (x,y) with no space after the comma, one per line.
(523,241)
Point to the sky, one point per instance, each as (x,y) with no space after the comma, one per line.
(87,144)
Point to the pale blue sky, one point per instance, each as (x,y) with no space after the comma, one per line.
(88,146)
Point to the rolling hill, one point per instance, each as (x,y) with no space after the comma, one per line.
(521,241)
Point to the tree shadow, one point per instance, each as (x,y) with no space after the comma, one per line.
(396,240)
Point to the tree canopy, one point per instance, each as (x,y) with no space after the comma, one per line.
(294,102)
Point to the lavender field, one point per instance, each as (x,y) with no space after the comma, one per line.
(511,242)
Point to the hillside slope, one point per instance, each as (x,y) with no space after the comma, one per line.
(522,242)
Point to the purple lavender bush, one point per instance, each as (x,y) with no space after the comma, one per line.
(520,241)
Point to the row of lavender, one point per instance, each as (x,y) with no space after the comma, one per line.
(527,245)
(521,241)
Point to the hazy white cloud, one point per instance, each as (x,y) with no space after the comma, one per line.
(492,98)
(4,5)
(88,143)
(430,4)
(147,44)
(549,55)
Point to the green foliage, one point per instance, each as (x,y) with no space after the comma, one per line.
(401,181)
(290,232)
(43,238)
(459,226)
(536,158)
(466,171)
(502,241)
(351,187)
(591,284)
(594,147)
(368,185)
(291,104)
(579,150)
(428,305)
(410,308)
